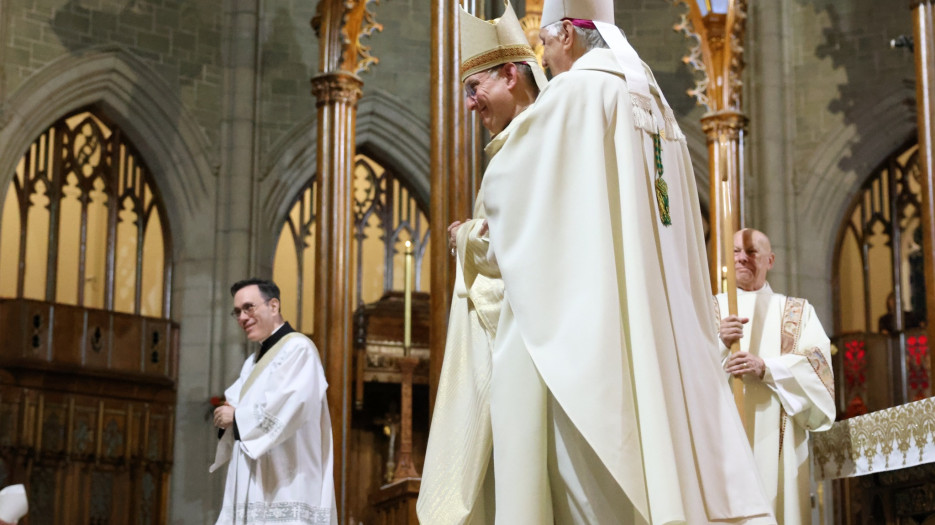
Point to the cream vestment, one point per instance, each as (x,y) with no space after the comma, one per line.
(610,310)
(795,396)
(459,448)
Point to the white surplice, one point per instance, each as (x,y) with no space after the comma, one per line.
(281,469)
(795,396)
(606,319)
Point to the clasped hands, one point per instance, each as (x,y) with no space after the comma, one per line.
(453,233)
(741,363)
(224,416)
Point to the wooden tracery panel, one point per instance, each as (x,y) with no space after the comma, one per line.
(83,224)
(880,290)
(386,215)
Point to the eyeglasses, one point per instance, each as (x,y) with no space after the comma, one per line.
(470,88)
(247,308)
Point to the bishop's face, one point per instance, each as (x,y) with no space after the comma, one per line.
(487,94)
(256,315)
(753,258)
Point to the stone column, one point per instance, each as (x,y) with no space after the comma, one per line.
(234,215)
(452,191)
(337,94)
(771,151)
(923,18)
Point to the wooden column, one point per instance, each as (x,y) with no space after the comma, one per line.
(337,95)
(924,38)
(452,191)
(719,57)
(724,130)
(337,88)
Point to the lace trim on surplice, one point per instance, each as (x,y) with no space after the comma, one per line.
(258,512)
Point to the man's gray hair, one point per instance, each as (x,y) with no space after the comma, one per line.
(525,71)
(590,38)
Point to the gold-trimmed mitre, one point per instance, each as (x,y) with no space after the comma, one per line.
(487,44)
(596,10)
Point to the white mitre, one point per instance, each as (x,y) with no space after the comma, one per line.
(13,504)
(487,44)
(596,10)
(601,13)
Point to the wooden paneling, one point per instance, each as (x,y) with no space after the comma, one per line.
(156,335)
(67,332)
(97,339)
(87,459)
(127,352)
(86,415)
(70,337)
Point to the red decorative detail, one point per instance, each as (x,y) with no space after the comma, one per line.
(855,408)
(213,403)
(916,361)
(855,377)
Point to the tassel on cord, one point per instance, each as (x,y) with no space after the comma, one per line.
(672,130)
(662,189)
(643,113)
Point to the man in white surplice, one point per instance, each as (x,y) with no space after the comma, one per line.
(607,402)
(785,364)
(501,79)
(275,428)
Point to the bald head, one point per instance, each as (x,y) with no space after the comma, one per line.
(753,258)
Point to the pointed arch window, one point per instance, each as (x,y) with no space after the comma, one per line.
(386,215)
(83,224)
(880,289)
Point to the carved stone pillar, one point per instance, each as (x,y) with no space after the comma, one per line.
(452,190)
(923,19)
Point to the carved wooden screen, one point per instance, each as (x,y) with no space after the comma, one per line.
(386,215)
(82,223)
(878,265)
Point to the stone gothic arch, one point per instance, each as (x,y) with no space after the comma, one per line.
(140,102)
(832,177)
(386,131)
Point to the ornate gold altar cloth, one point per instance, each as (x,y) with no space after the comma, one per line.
(890,439)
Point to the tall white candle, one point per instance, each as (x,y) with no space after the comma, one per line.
(407,302)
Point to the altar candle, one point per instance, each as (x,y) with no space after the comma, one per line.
(407,303)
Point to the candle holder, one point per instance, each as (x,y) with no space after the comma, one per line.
(407,364)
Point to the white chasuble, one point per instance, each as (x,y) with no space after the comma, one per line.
(795,396)
(281,469)
(458,453)
(612,306)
